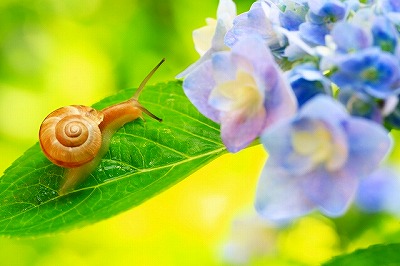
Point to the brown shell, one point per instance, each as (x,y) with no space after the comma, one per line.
(70,136)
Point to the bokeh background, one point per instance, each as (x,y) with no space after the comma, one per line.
(55,53)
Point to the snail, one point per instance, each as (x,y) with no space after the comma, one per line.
(76,137)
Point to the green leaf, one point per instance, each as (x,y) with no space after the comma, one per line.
(145,158)
(382,255)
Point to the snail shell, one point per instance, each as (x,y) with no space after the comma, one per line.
(70,136)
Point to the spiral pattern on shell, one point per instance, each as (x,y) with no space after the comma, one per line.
(70,136)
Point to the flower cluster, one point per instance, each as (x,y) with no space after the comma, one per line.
(317,81)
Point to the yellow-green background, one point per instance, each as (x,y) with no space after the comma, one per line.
(60,52)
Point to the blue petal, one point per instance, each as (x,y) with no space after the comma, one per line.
(308,82)
(313,33)
(291,20)
(333,9)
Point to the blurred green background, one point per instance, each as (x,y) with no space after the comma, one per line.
(56,53)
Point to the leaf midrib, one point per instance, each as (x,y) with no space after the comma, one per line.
(98,186)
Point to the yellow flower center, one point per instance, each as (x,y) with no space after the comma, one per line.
(318,144)
(241,93)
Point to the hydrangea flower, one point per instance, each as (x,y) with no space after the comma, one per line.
(365,30)
(316,160)
(243,90)
(210,39)
(371,70)
(321,17)
(338,55)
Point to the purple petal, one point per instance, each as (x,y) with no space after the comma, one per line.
(238,129)
(253,50)
(280,101)
(332,192)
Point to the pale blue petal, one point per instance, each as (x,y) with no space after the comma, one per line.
(369,143)
(218,39)
(380,192)
(324,108)
(354,39)
(254,22)
(332,192)
(197,87)
(279,196)
(224,69)
(232,36)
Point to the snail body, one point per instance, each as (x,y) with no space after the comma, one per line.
(76,137)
